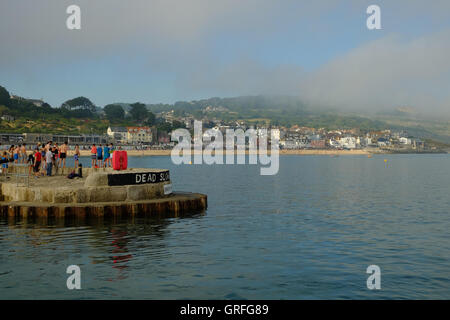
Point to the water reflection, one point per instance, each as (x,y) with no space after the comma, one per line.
(115,242)
(307,233)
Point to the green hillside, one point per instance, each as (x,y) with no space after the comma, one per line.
(81,116)
(74,116)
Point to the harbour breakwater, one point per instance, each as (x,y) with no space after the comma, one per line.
(99,192)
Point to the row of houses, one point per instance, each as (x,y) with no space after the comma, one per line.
(120,135)
(337,140)
(310,138)
(117,135)
(138,135)
(33,138)
(132,135)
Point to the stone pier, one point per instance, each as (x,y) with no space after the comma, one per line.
(100,192)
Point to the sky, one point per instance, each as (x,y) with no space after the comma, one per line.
(162,51)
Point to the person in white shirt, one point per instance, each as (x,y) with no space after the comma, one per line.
(48,160)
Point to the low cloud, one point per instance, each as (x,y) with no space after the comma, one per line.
(381,75)
(386,73)
(178,45)
(243,77)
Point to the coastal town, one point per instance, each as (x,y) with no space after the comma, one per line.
(224,159)
(289,138)
(139,126)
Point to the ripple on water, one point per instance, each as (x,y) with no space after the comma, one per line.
(308,233)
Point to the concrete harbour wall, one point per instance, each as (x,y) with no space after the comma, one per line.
(99,192)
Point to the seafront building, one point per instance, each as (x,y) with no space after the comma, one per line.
(293,138)
(139,135)
(33,138)
(119,134)
(131,135)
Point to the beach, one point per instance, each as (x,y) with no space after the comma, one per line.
(282,152)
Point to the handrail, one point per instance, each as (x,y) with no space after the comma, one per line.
(25,174)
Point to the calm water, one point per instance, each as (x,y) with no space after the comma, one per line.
(308,232)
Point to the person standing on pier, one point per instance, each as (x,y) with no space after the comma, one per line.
(100,156)
(63,155)
(30,162)
(55,157)
(106,156)
(37,161)
(94,156)
(16,154)
(11,153)
(48,160)
(5,163)
(43,162)
(76,155)
(23,153)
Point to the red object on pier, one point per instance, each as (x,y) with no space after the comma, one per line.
(120,160)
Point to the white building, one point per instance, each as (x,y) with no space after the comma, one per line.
(366,141)
(275,133)
(289,144)
(348,142)
(404,140)
(210,133)
(137,135)
(117,133)
(383,142)
(262,133)
(334,143)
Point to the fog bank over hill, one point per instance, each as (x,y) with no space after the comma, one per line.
(379,76)
(387,73)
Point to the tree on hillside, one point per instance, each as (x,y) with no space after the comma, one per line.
(167,127)
(150,119)
(164,126)
(3,110)
(80,103)
(114,112)
(178,124)
(4,97)
(139,112)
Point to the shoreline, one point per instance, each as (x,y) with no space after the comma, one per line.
(281,152)
(322,152)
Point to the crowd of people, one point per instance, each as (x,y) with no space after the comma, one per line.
(48,156)
(101,157)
